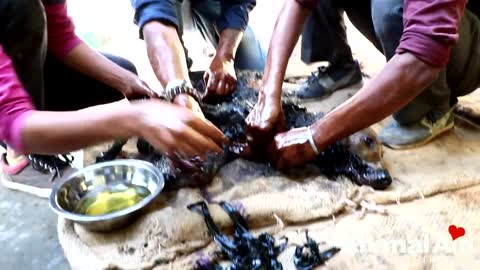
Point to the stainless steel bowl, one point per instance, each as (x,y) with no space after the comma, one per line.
(67,193)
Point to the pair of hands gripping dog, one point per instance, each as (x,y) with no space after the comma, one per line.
(184,132)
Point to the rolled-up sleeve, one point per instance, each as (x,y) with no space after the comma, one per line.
(61,30)
(235,14)
(154,10)
(431,29)
(15,104)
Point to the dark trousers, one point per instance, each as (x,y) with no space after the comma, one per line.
(324,36)
(51,84)
(250,54)
(381,22)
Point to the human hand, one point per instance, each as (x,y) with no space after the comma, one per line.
(265,120)
(220,78)
(190,103)
(134,88)
(176,131)
(292,149)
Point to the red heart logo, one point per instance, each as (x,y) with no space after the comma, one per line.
(456,232)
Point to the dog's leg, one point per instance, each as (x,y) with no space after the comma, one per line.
(112,153)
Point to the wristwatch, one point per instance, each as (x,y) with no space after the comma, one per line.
(177,87)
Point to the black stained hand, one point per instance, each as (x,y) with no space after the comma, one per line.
(229,113)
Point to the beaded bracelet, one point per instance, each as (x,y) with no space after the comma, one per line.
(177,87)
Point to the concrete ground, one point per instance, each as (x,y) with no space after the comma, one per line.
(28,233)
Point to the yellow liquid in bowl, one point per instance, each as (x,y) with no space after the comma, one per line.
(110,199)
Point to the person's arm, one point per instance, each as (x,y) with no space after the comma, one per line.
(68,47)
(430,31)
(169,128)
(383,96)
(234,14)
(228,44)
(400,81)
(267,119)
(173,130)
(231,24)
(158,26)
(15,103)
(168,61)
(60,132)
(165,52)
(91,63)
(60,28)
(29,131)
(221,78)
(287,30)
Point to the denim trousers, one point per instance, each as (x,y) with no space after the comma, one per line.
(250,54)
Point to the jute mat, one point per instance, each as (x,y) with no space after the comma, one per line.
(412,235)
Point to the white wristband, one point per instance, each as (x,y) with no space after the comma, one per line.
(312,142)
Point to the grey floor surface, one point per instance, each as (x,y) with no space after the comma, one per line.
(28,233)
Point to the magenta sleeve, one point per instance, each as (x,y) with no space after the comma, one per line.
(61,30)
(15,104)
(431,29)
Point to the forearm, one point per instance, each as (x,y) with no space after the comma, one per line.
(401,80)
(165,52)
(91,63)
(287,30)
(228,43)
(61,132)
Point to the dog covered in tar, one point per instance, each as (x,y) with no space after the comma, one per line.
(358,157)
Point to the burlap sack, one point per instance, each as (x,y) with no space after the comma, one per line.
(171,237)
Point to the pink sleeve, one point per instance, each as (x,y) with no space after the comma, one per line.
(15,104)
(431,29)
(61,30)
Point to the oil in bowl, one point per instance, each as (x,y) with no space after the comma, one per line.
(108,199)
(107,196)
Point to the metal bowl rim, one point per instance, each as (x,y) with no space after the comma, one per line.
(117,214)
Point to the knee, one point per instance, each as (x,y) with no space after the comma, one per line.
(405,117)
(387,18)
(122,62)
(126,64)
(209,9)
(250,54)
(411,114)
(249,37)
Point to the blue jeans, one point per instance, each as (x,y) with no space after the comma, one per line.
(250,54)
